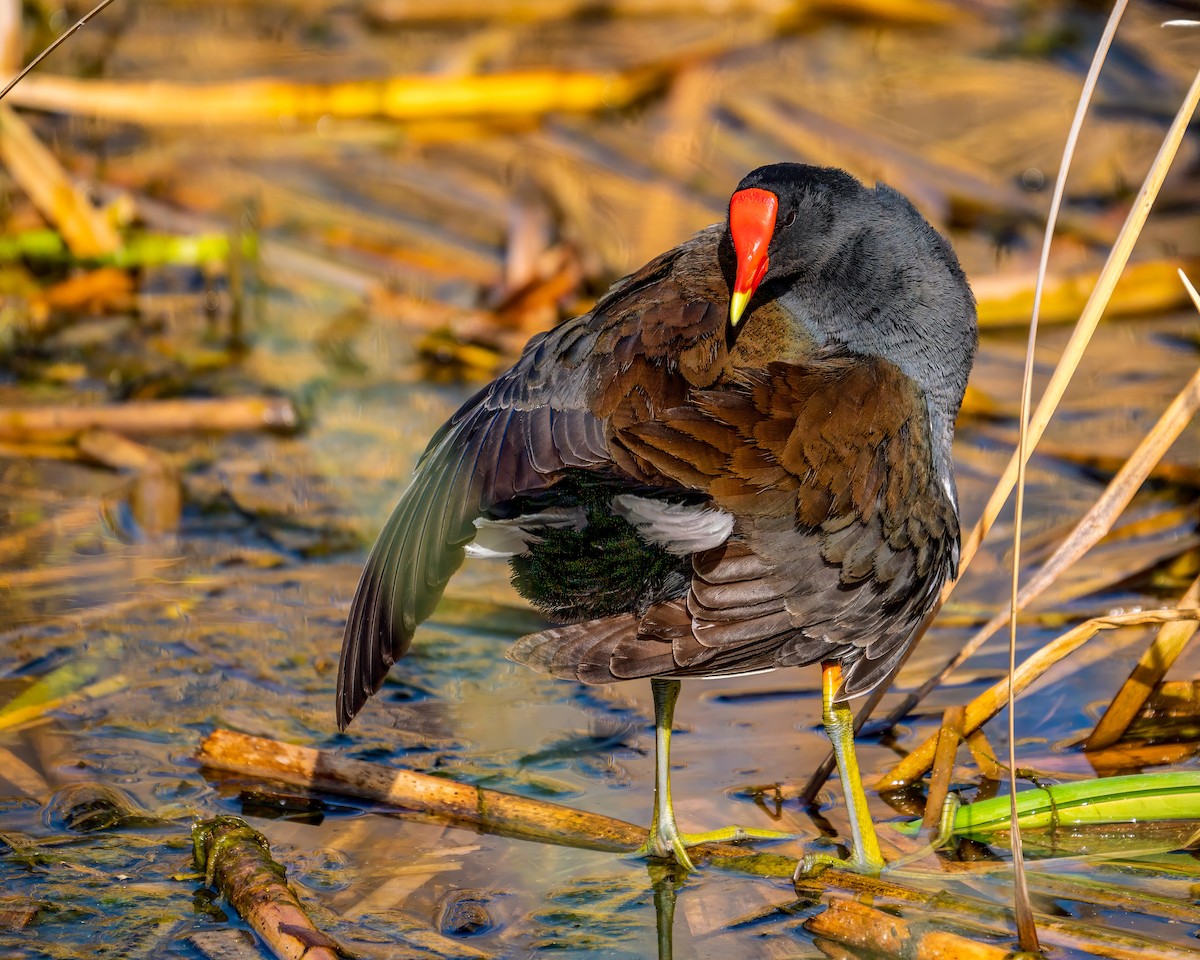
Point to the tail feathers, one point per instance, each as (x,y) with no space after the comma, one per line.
(582,651)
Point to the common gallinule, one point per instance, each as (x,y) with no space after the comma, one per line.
(738,460)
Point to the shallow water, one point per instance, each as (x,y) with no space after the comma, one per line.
(236,621)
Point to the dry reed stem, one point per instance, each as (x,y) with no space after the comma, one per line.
(67,522)
(115,451)
(1098,893)
(84,228)
(1098,521)
(1090,529)
(1158,657)
(237,861)
(93,691)
(1082,334)
(1124,758)
(1063,372)
(984,755)
(1151,668)
(489,809)
(1091,890)
(21,775)
(1069,361)
(1023,908)
(533,92)
(942,905)
(156,494)
(949,737)
(148,416)
(858,925)
(884,11)
(1179,474)
(993,700)
(540,820)
(1148,287)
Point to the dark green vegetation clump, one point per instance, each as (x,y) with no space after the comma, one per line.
(601,570)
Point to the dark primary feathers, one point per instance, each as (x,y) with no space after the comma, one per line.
(720,501)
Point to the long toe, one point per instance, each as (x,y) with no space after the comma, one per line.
(812,864)
(734,835)
(667,841)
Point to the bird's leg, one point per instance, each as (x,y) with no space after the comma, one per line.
(839,725)
(665,839)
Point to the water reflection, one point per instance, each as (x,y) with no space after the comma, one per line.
(665,881)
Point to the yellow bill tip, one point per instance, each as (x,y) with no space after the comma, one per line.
(737,305)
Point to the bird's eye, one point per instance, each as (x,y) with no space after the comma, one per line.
(790,218)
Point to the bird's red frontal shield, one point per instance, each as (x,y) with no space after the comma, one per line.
(751,225)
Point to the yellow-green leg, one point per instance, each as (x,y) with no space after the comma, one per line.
(665,839)
(839,725)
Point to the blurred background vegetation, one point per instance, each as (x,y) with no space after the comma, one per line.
(253,253)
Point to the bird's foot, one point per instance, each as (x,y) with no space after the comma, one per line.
(666,840)
(812,864)
(943,838)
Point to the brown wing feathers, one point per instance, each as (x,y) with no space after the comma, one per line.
(516,436)
(488,457)
(822,562)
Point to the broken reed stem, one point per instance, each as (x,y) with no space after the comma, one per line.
(489,809)
(984,755)
(1093,526)
(492,810)
(236,860)
(149,416)
(949,737)
(38,173)
(156,493)
(993,700)
(858,925)
(117,452)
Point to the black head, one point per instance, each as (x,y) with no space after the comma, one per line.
(859,269)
